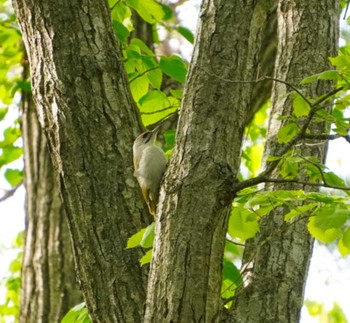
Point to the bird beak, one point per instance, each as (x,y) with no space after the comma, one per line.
(156,129)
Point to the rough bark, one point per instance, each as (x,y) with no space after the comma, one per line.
(49,286)
(185,277)
(84,106)
(278,258)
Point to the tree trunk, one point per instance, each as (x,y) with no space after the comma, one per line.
(278,258)
(185,277)
(84,106)
(49,287)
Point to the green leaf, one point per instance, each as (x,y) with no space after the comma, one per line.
(10,154)
(139,85)
(148,237)
(139,43)
(3,112)
(78,314)
(155,77)
(169,136)
(11,134)
(155,106)
(121,31)
(13,176)
(174,67)
(333,179)
(331,217)
(188,35)
(243,224)
(168,12)
(230,272)
(120,11)
(135,239)
(329,75)
(324,236)
(299,210)
(344,243)
(314,308)
(177,93)
(300,106)
(287,133)
(149,10)
(309,79)
(147,257)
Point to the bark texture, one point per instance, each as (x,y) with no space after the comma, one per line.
(84,106)
(49,286)
(278,259)
(185,277)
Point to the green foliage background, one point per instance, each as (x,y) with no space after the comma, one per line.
(146,69)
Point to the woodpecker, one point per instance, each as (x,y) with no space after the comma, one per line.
(149,164)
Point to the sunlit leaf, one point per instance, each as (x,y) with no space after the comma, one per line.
(186,33)
(243,224)
(344,243)
(300,106)
(324,236)
(14,176)
(331,217)
(287,133)
(230,271)
(10,154)
(147,257)
(135,239)
(121,31)
(139,85)
(299,210)
(148,237)
(149,10)
(78,314)
(174,67)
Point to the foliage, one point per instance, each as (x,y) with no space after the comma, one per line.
(12,283)
(146,70)
(335,315)
(11,83)
(77,314)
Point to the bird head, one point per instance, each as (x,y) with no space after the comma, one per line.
(146,138)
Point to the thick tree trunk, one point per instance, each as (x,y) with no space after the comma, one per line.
(84,105)
(49,286)
(278,258)
(185,277)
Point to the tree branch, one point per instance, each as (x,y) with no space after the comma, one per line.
(271,166)
(143,73)
(325,137)
(295,181)
(10,192)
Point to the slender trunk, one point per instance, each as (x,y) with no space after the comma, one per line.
(278,258)
(49,286)
(185,278)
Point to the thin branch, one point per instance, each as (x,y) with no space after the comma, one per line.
(158,111)
(143,73)
(271,166)
(324,137)
(111,9)
(326,96)
(162,119)
(295,181)
(262,79)
(9,193)
(317,166)
(235,243)
(346,10)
